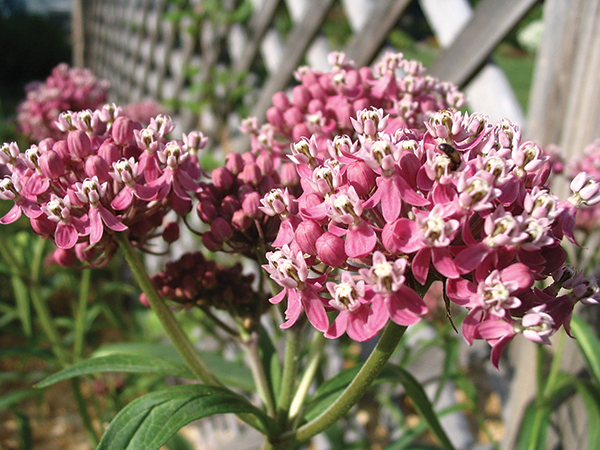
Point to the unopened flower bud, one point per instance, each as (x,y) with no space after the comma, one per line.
(275,117)
(301,96)
(250,204)
(98,167)
(211,244)
(281,101)
(330,250)
(265,163)
(52,165)
(289,175)
(293,116)
(222,178)
(64,257)
(361,177)
(234,162)
(240,221)
(300,131)
(79,144)
(307,234)
(229,205)
(171,232)
(122,130)
(207,211)
(251,174)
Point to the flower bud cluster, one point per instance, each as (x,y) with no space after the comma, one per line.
(231,202)
(66,89)
(108,174)
(195,281)
(385,213)
(324,104)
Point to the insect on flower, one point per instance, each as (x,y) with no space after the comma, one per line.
(451,153)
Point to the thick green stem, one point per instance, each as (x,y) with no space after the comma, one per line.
(165,315)
(290,373)
(357,388)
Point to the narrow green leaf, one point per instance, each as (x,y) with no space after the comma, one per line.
(149,421)
(13,397)
(22,303)
(229,372)
(591,398)
(120,363)
(534,428)
(331,389)
(421,401)
(589,345)
(270,360)
(24,429)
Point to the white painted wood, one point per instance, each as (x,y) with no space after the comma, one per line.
(357,12)
(272,50)
(489,92)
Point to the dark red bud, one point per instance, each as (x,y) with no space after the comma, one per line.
(171,233)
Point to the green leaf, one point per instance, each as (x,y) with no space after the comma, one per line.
(332,389)
(149,421)
(120,363)
(421,401)
(13,397)
(591,398)
(230,373)
(589,345)
(534,428)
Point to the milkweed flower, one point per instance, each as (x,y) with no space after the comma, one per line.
(401,203)
(106,174)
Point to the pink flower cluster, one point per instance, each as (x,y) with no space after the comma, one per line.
(107,175)
(323,104)
(388,211)
(66,89)
(588,219)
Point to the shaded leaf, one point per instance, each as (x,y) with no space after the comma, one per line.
(149,421)
(13,397)
(329,391)
(120,363)
(229,372)
(588,343)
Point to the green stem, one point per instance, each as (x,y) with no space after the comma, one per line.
(84,291)
(314,358)
(555,365)
(165,315)
(357,388)
(259,375)
(290,369)
(83,412)
(41,308)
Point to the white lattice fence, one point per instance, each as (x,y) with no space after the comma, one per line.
(143,54)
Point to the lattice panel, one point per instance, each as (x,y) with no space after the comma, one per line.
(145,52)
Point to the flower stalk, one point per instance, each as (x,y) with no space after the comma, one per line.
(355,390)
(165,315)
